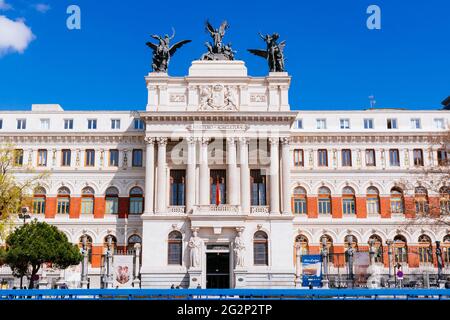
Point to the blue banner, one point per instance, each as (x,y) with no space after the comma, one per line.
(312,270)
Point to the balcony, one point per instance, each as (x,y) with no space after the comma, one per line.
(217,209)
(259,209)
(176,209)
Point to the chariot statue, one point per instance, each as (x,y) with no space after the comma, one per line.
(274,52)
(217,50)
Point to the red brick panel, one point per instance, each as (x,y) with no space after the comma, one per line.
(385,207)
(99,207)
(311,207)
(361,211)
(97,252)
(124,205)
(413,256)
(50,207)
(336,207)
(75,207)
(435,209)
(339,256)
(410,208)
(314,249)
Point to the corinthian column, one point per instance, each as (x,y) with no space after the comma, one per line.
(204,172)
(149,174)
(190,175)
(274,176)
(161,199)
(245,175)
(232,183)
(285,155)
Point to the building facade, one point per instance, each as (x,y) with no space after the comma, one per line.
(224,185)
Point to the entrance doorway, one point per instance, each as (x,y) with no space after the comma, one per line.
(217,270)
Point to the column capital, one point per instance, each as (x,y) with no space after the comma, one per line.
(191,140)
(161,141)
(150,140)
(205,141)
(274,140)
(231,140)
(285,141)
(243,140)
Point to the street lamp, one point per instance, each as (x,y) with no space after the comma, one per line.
(325,262)
(389,244)
(24,214)
(439,259)
(349,254)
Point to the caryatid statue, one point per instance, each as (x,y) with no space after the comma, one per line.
(217,50)
(273,53)
(162,52)
(239,249)
(195,245)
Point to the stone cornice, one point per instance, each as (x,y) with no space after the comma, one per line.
(39,137)
(333,138)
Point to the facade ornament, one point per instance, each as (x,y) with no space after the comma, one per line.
(205,140)
(259,226)
(274,52)
(274,140)
(218,50)
(161,141)
(102,152)
(125,158)
(149,140)
(239,248)
(406,157)
(218,97)
(285,140)
(243,140)
(195,244)
(54,157)
(77,158)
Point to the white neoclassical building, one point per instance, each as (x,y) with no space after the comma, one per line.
(225,186)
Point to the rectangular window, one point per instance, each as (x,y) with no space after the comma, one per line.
(21,124)
(87,205)
(66,157)
(138,124)
(1,123)
(111,205)
(370,158)
(368,123)
(346,158)
(177,187)
(63,205)
(324,204)
(322,158)
(68,124)
(92,124)
(439,123)
(415,123)
(298,158)
(392,123)
(258,187)
(39,205)
(442,157)
(45,124)
(90,158)
(42,157)
(115,123)
(18,157)
(321,123)
(348,206)
(345,123)
(394,158)
(418,157)
(113,158)
(298,124)
(137,157)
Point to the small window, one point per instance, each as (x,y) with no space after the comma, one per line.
(260,249)
(137,157)
(113,158)
(21,124)
(392,123)
(115,123)
(66,157)
(138,124)
(370,158)
(394,158)
(322,157)
(92,124)
(324,200)
(1,123)
(346,158)
(415,123)
(68,124)
(418,157)
(368,124)
(175,248)
(90,158)
(298,124)
(45,124)
(298,158)
(42,158)
(18,157)
(442,157)
(439,123)
(345,123)
(321,123)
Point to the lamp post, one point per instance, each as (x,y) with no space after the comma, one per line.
(84,265)
(24,214)
(389,244)
(325,263)
(440,264)
(108,274)
(349,254)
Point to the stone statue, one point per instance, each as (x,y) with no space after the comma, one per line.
(217,50)
(239,249)
(195,244)
(440,261)
(273,53)
(163,51)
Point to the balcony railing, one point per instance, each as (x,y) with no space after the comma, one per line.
(177,209)
(218,209)
(259,209)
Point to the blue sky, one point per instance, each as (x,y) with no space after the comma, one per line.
(334,60)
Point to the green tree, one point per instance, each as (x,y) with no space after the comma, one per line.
(35,243)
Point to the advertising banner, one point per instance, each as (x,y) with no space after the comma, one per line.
(361,262)
(123,271)
(312,270)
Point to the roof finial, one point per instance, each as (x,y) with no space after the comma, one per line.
(372,101)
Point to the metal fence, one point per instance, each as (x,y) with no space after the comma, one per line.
(227,294)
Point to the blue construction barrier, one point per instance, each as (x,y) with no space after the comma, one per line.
(226,294)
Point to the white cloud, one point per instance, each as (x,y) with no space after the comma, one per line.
(15,36)
(41,7)
(4,6)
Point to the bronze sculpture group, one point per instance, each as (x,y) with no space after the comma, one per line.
(217,50)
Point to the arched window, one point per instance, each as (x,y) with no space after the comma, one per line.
(301,243)
(113,243)
(175,248)
(299,200)
(397,201)
(348,201)
(378,247)
(444,200)
(350,240)
(421,200)
(373,201)
(425,249)
(136,200)
(112,200)
(329,243)
(446,249)
(88,246)
(39,195)
(87,200)
(400,249)
(132,240)
(324,201)
(63,203)
(260,249)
